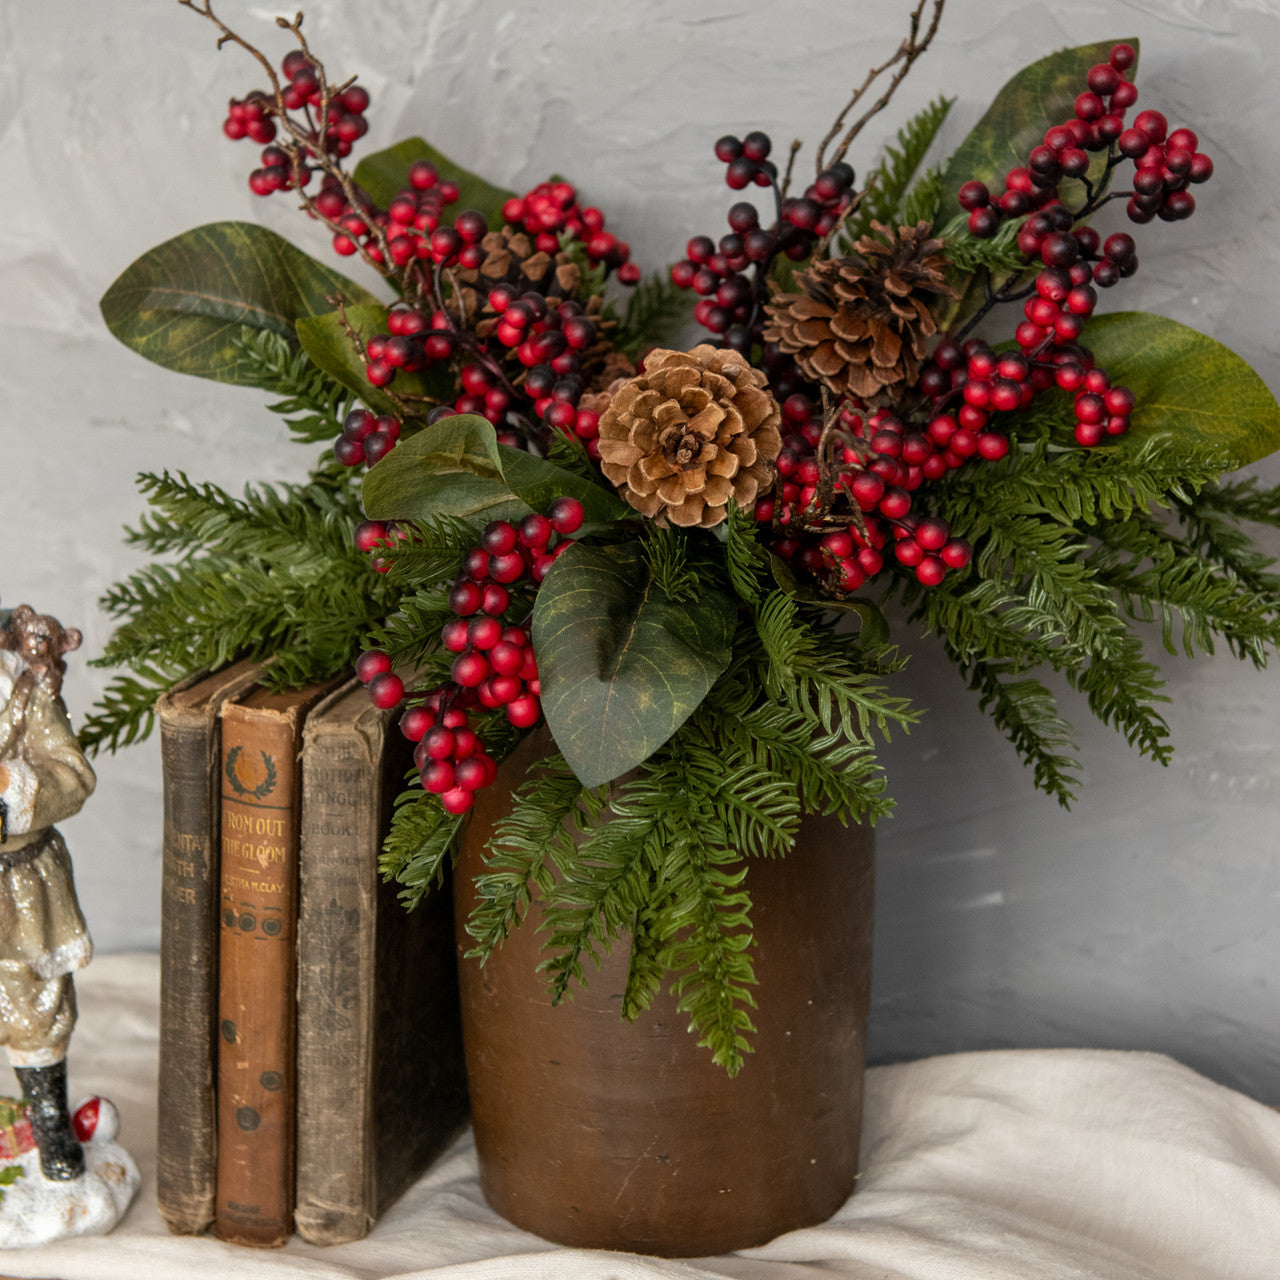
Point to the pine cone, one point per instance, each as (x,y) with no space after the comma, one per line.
(692,431)
(862,324)
(510,258)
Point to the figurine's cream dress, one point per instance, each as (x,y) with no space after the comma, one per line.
(43,939)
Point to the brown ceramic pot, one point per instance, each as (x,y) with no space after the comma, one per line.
(598,1133)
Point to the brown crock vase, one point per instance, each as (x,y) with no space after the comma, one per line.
(598,1133)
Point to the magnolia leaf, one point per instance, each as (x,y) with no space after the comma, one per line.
(449,468)
(185,303)
(874,630)
(540,483)
(1039,96)
(622,667)
(1192,391)
(384,174)
(326,343)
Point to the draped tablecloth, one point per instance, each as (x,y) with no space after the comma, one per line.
(1004,1165)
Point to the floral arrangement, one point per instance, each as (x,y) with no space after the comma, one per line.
(536,508)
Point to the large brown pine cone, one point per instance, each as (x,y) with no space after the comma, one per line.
(862,324)
(692,431)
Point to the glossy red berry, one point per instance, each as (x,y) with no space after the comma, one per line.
(371,663)
(469,670)
(506,568)
(498,538)
(465,598)
(566,515)
(454,635)
(457,800)
(932,533)
(386,690)
(369,534)
(484,632)
(524,712)
(495,599)
(415,722)
(930,571)
(535,531)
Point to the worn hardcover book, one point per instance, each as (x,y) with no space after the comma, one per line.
(381,1085)
(261,740)
(189,759)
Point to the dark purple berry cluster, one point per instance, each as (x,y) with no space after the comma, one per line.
(1165,163)
(366,438)
(729,298)
(410,226)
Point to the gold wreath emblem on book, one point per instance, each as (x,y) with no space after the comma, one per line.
(241,788)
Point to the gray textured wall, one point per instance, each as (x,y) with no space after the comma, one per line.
(1145,918)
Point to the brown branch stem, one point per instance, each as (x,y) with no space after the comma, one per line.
(305,145)
(908,51)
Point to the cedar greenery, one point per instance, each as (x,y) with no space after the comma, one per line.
(270,575)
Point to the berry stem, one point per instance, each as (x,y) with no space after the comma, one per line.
(908,51)
(796,144)
(995,297)
(357,345)
(310,141)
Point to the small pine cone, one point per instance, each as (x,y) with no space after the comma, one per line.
(862,324)
(606,372)
(692,431)
(509,257)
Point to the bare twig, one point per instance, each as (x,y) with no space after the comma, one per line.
(306,147)
(823,246)
(791,162)
(908,51)
(403,403)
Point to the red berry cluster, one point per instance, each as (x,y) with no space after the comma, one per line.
(877,462)
(250,117)
(494,668)
(729,301)
(529,361)
(551,209)
(332,130)
(1098,120)
(989,382)
(524,353)
(365,438)
(1165,163)
(411,223)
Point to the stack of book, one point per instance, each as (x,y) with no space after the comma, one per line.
(310,1047)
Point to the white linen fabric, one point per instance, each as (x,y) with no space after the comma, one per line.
(1005,1165)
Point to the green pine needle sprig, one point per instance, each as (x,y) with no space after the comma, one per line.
(313,404)
(888,184)
(656,312)
(271,575)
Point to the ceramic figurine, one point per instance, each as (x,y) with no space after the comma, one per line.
(50,1189)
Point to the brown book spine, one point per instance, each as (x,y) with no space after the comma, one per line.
(380,1078)
(258,912)
(185,1104)
(342,815)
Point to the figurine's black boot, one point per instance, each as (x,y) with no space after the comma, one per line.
(45,1089)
